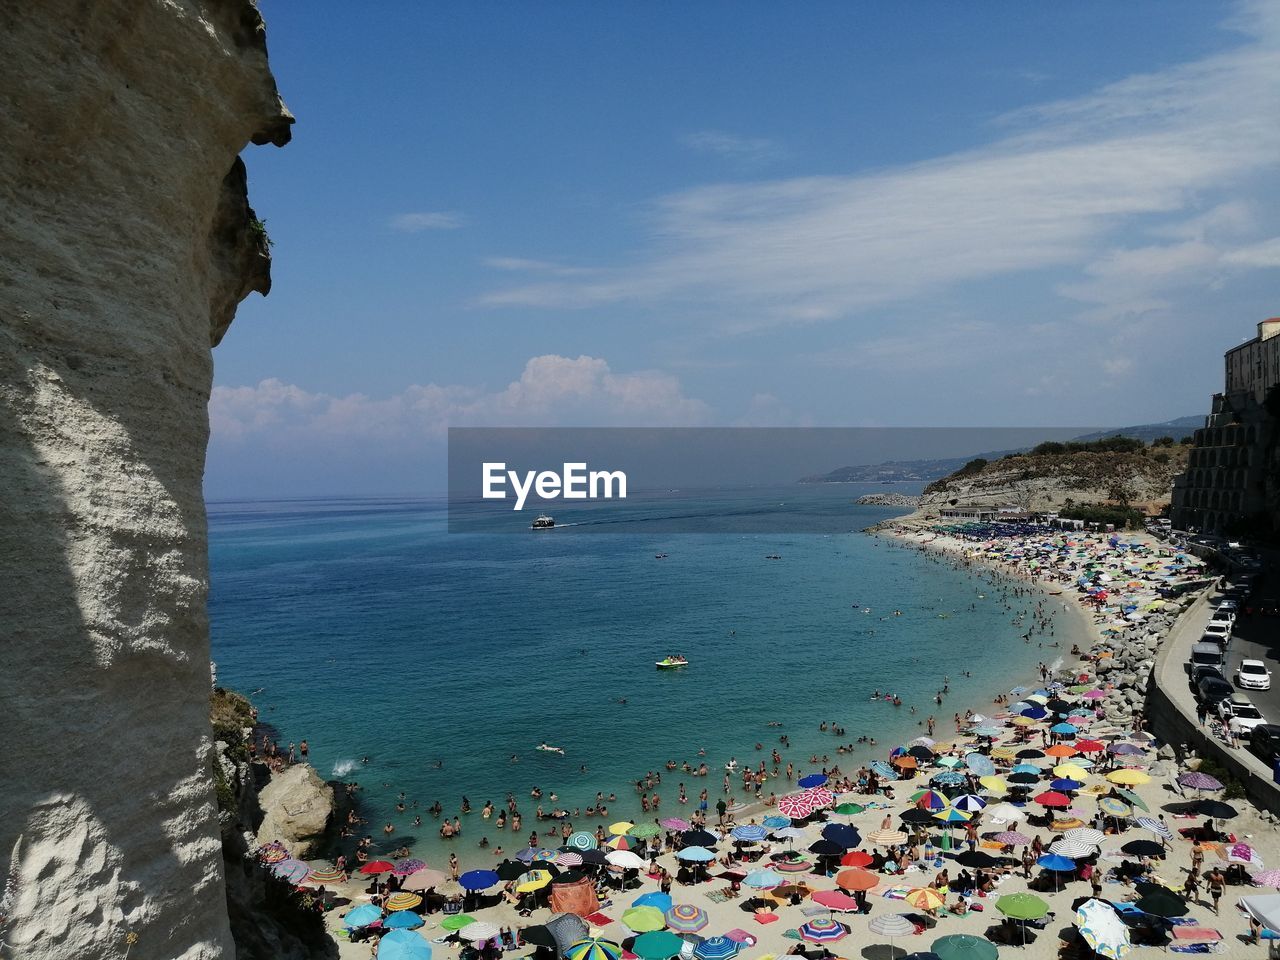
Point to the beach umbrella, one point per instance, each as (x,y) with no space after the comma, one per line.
(698,838)
(695,855)
(402,920)
(1071,848)
(843,834)
(856,858)
(534,880)
(661,901)
(325,876)
(1076,769)
(686,918)
(626,859)
(1086,835)
(994,784)
(362,916)
(964,946)
(844,809)
(1060,750)
(478,879)
(475,932)
(883,770)
(1102,929)
(581,840)
(525,855)
(273,852)
(915,815)
(887,838)
(678,823)
(506,870)
(1023,779)
(1005,813)
(426,880)
(403,901)
(717,948)
(749,833)
(1026,768)
(857,879)
(566,929)
(812,780)
(457,921)
(925,898)
(570,858)
(820,797)
(1114,806)
(979,764)
(594,857)
(621,828)
(1125,750)
(1090,746)
(797,806)
(620,842)
(293,871)
(1198,781)
(1030,754)
(920,752)
(645,830)
(969,803)
(835,900)
(1022,906)
(403,945)
(1035,713)
(1143,848)
(776,822)
(977,858)
(1216,810)
(905,762)
(1066,784)
(1052,799)
(1162,902)
(644,919)
(657,945)
(762,879)
(1064,729)
(948,779)
(403,868)
(930,800)
(1056,863)
(827,848)
(377,866)
(1155,826)
(823,931)
(1128,777)
(594,948)
(1011,838)
(949,762)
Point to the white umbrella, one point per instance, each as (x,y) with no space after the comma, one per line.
(1102,929)
(1005,813)
(1074,849)
(478,931)
(891,925)
(625,859)
(1092,837)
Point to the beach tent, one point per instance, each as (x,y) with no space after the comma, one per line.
(577,898)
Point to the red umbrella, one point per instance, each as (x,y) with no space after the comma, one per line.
(835,900)
(1052,798)
(377,866)
(856,858)
(1089,746)
(820,797)
(797,806)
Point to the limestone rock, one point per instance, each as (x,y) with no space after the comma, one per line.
(296,808)
(122,257)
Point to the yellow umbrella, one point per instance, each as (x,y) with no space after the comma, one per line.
(403,901)
(1022,721)
(1128,777)
(925,898)
(1004,753)
(995,784)
(534,880)
(621,827)
(1039,698)
(1070,771)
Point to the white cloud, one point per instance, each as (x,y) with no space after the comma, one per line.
(1264,254)
(746,150)
(1069,187)
(427,220)
(552,390)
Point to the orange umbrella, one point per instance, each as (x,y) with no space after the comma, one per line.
(1061,750)
(857,879)
(906,762)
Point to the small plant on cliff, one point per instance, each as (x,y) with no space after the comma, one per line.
(258,230)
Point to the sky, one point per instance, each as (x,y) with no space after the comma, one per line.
(743,214)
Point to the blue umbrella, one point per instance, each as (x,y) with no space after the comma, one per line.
(478,879)
(1026,768)
(773,823)
(949,779)
(812,780)
(1066,783)
(403,920)
(980,764)
(403,945)
(750,833)
(843,834)
(1064,728)
(1056,862)
(526,855)
(1020,706)
(716,948)
(362,916)
(1035,713)
(987,731)
(660,900)
(1018,691)
(883,770)
(696,855)
(763,879)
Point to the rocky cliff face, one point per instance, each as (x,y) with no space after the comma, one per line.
(126,242)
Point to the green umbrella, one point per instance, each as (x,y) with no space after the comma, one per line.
(850,809)
(1022,906)
(644,919)
(645,830)
(1133,798)
(457,921)
(962,946)
(657,945)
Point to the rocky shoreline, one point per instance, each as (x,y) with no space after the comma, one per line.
(888,500)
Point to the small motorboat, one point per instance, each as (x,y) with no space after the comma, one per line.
(543,523)
(671,663)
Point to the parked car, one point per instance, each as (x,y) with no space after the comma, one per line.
(1228,606)
(1217,630)
(1264,740)
(1253,675)
(1207,655)
(1211,691)
(1200,671)
(1240,708)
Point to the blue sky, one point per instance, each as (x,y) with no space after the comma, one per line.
(744,213)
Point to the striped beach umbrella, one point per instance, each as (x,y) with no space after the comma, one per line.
(1155,826)
(1094,838)
(887,838)
(820,797)
(403,901)
(324,876)
(621,842)
(581,840)
(823,930)
(749,833)
(293,871)
(969,803)
(717,948)
(1071,848)
(891,925)
(594,948)
(686,918)
(930,800)
(568,859)
(273,852)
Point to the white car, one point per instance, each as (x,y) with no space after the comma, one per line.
(1217,630)
(1253,675)
(1240,709)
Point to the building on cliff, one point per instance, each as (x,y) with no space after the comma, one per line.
(1232,480)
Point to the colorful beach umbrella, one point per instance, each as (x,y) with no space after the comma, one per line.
(403,901)
(777,822)
(594,948)
(969,803)
(925,898)
(290,870)
(621,827)
(686,918)
(661,901)
(749,833)
(675,823)
(1053,799)
(325,875)
(645,830)
(823,930)
(1128,777)
(1114,806)
(407,866)
(797,806)
(457,921)
(581,840)
(835,900)
(1199,781)
(534,880)
(377,866)
(717,948)
(1012,838)
(1102,929)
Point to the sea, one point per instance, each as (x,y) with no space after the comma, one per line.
(418,661)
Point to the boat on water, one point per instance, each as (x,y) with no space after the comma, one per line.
(671,663)
(543,523)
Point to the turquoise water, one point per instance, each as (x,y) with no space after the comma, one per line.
(365,628)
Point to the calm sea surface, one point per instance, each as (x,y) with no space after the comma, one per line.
(366,628)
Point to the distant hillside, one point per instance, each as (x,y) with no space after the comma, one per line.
(896,471)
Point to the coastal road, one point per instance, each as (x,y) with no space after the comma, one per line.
(1257,637)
